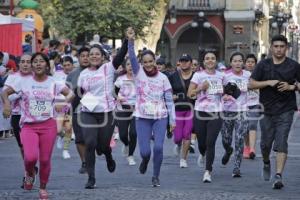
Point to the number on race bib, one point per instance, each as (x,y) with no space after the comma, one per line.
(39,108)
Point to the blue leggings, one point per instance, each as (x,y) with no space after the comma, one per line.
(144,129)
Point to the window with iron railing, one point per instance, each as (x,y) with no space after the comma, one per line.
(198,3)
(4,2)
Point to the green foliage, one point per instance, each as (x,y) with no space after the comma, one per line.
(106,17)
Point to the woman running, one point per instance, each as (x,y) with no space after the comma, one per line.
(98,103)
(235,108)
(125,90)
(154,103)
(180,81)
(39,129)
(253,113)
(207,85)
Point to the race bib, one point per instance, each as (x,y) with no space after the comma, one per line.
(215,87)
(253,94)
(40,108)
(242,85)
(151,108)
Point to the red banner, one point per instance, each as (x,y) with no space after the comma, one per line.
(11,39)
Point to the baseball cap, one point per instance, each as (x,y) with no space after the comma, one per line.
(185,57)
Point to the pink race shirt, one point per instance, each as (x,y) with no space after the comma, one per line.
(150,103)
(127,90)
(209,100)
(98,89)
(253,97)
(37,103)
(241,103)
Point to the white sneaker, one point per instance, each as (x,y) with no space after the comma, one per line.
(201,161)
(116,136)
(183,163)
(207,177)
(60,142)
(125,150)
(131,160)
(176,150)
(66,154)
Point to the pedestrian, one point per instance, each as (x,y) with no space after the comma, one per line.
(253,113)
(15,100)
(235,108)
(277,79)
(63,119)
(184,108)
(97,106)
(39,129)
(125,89)
(72,80)
(153,105)
(207,87)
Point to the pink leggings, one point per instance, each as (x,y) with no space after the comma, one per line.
(38,140)
(184,126)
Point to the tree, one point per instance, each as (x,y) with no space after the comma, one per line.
(106,17)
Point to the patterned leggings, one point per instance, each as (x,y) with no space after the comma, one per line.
(234,121)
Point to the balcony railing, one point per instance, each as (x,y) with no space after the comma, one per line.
(198,4)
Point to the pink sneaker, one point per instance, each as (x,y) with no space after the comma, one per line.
(44,195)
(246,153)
(112,143)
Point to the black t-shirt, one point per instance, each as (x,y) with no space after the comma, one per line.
(181,92)
(276,102)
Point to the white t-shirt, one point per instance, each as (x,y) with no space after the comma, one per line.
(127,90)
(150,102)
(98,89)
(16,97)
(241,103)
(37,104)
(209,100)
(253,97)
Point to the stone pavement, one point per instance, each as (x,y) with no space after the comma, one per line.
(176,183)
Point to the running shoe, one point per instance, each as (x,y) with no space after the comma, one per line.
(43,194)
(236,173)
(28,182)
(267,171)
(207,177)
(252,154)
(246,153)
(183,163)
(277,185)
(91,183)
(143,166)
(131,160)
(82,170)
(66,154)
(226,156)
(155,181)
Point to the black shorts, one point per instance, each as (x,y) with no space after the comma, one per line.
(77,130)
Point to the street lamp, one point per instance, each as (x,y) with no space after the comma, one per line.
(198,22)
(281,20)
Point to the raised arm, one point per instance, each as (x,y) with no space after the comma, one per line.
(132,57)
(119,59)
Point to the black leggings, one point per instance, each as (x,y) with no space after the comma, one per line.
(207,129)
(125,120)
(97,129)
(14,121)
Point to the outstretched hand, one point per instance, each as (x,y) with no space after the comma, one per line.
(130,34)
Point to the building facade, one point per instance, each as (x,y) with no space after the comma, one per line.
(222,26)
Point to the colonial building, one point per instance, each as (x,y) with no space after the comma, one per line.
(5,6)
(222,26)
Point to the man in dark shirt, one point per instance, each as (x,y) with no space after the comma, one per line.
(277,78)
(72,80)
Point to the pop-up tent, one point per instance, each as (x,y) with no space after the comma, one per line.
(11,29)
